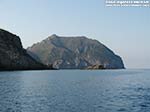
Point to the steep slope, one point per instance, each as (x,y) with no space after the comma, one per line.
(74,53)
(13,56)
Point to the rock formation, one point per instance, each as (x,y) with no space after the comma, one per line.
(13,56)
(74,53)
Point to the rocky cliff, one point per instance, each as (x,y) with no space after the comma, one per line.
(74,53)
(13,56)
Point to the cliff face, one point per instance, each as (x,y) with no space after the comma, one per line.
(74,53)
(13,56)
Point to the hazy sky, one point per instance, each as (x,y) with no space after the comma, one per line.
(125,30)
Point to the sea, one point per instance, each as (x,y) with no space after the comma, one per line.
(125,90)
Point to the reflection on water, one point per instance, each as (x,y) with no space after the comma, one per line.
(75,91)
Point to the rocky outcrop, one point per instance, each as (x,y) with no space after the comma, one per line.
(13,56)
(95,67)
(74,53)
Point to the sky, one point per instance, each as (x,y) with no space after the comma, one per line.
(125,30)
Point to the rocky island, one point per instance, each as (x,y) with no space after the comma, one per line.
(13,56)
(75,53)
(56,52)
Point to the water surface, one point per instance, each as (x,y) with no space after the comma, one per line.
(75,91)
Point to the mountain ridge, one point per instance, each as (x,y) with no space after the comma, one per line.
(74,53)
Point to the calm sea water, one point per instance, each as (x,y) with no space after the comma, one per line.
(75,91)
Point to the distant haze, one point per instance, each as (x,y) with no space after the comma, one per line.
(125,30)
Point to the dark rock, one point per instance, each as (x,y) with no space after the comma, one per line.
(94,67)
(74,53)
(13,56)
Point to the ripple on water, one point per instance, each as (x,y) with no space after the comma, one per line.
(75,91)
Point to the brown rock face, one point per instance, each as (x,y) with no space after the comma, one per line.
(13,56)
(95,67)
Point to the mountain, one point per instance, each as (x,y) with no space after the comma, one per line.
(74,53)
(13,56)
